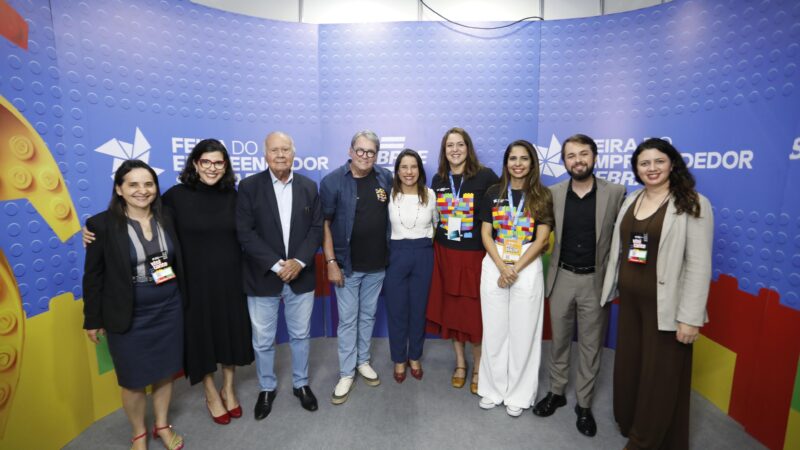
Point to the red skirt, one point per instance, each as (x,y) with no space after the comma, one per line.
(454,302)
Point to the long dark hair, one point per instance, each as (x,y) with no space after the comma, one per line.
(681,181)
(471,166)
(538,200)
(117,205)
(422,191)
(189,175)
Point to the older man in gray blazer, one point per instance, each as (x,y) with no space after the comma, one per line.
(585,209)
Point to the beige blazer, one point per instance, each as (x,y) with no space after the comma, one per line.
(683,268)
(609,197)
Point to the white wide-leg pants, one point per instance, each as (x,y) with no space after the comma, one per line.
(512,335)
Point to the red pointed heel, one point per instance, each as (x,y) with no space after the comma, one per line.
(222,419)
(416,373)
(235,412)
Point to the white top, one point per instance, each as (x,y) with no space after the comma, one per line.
(409,219)
(283,195)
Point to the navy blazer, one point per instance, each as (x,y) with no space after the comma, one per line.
(258,225)
(107,282)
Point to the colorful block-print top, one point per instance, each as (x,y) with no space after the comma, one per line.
(501,214)
(466,207)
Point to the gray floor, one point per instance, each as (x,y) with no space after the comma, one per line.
(427,414)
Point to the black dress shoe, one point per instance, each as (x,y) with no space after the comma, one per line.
(586,424)
(307,399)
(548,405)
(264,404)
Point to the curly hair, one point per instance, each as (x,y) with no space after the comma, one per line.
(681,181)
(538,199)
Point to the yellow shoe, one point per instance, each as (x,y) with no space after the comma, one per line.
(473,386)
(458,382)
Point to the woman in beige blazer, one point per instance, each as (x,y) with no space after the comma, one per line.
(660,264)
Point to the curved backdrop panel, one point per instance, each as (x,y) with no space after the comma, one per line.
(85,85)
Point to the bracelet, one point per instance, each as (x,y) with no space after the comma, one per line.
(328,261)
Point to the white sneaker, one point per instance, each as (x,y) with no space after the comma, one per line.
(342,390)
(513,411)
(368,374)
(485,403)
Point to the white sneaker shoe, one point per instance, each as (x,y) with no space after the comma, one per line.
(513,411)
(368,374)
(342,390)
(485,403)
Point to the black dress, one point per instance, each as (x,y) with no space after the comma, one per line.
(217,324)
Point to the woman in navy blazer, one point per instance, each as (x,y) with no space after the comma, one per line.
(131,296)
(660,262)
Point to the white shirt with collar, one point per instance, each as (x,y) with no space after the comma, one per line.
(283,196)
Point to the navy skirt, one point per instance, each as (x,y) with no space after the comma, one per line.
(152,348)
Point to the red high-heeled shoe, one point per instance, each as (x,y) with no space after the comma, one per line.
(416,373)
(399,377)
(235,412)
(222,419)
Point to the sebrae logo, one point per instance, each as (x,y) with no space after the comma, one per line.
(391,146)
(122,151)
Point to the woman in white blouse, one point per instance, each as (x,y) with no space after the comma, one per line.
(412,213)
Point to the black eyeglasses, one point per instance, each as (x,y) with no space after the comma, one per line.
(206,163)
(368,153)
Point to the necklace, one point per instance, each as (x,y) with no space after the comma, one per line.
(400,214)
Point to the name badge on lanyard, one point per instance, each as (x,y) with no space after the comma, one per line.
(637,252)
(160,269)
(512,247)
(453,224)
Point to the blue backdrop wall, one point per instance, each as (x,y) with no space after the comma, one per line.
(106,80)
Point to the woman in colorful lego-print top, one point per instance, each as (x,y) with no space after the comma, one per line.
(517,217)
(454,302)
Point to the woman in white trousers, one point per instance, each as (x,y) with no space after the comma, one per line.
(517,219)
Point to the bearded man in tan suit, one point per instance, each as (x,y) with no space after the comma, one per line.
(585,209)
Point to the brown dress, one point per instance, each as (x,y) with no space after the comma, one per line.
(652,370)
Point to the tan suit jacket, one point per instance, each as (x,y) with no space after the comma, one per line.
(609,197)
(683,268)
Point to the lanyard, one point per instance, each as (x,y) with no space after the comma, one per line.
(456,193)
(518,209)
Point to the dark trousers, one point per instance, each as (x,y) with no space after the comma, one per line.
(652,380)
(405,288)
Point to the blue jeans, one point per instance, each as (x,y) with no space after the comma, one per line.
(357,301)
(264,318)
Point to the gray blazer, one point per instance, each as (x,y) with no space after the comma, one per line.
(683,268)
(608,201)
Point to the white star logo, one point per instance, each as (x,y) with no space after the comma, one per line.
(550,158)
(122,151)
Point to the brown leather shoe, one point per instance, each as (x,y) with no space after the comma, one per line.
(458,382)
